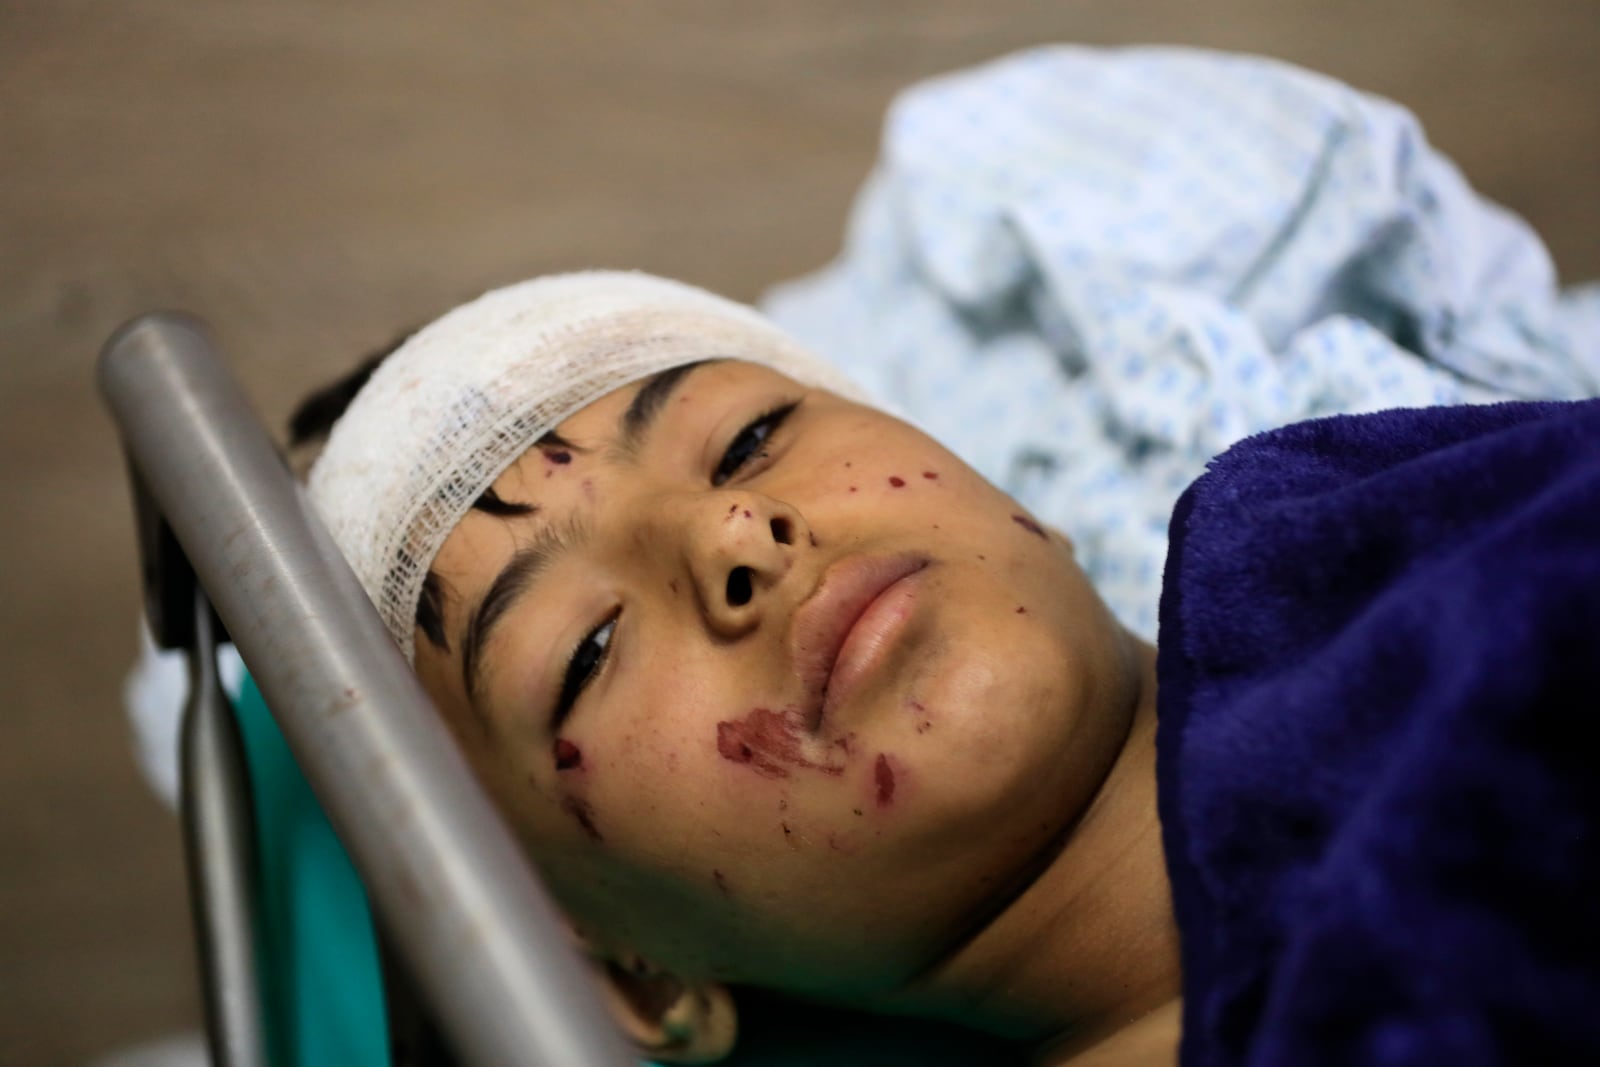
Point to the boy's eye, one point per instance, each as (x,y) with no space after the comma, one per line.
(748,441)
(584,664)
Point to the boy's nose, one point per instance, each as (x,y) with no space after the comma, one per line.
(741,545)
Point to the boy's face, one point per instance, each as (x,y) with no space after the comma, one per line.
(794,700)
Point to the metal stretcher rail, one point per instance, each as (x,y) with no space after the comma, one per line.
(449,882)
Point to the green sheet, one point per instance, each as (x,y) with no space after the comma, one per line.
(319,953)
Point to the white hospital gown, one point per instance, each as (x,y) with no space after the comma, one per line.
(1089,271)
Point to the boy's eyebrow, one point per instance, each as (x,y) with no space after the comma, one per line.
(528,562)
(636,422)
(515,578)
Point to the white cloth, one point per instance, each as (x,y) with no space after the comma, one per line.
(1089,271)
(179,1050)
(154,694)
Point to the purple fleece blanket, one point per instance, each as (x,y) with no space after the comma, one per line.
(1380,780)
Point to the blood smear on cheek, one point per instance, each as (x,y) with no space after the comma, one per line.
(883,775)
(568,755)
(584,814)
(896,481)
(769,743)
(1031,526)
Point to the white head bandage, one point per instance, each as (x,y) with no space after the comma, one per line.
(465,397)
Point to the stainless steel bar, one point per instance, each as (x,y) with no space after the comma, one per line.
(217,836)
(446,876)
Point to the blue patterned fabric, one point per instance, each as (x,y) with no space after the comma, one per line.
(1089,271)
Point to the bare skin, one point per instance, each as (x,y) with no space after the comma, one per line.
(804,703)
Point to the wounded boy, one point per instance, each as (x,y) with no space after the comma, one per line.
(780,694)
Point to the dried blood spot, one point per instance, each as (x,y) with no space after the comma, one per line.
(558,456)
(930,475)
(722,883)
(769,742)
(747,513)
(1031,526)
(924,727)
(672,584)
(1021,610)
(568,755)
(883,775)
(581,811)
(896,481)
(852,488)
(812,537)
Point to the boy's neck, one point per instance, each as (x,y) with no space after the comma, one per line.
(1090,948)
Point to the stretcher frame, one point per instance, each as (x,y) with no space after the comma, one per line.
(229,547)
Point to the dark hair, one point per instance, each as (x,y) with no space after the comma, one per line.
(312,421)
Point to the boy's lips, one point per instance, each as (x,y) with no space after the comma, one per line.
(843,626)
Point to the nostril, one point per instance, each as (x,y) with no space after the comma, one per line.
(781,532)
(739,588)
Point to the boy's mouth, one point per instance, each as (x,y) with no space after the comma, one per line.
(847,624)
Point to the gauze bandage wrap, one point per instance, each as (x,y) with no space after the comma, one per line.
(461,400)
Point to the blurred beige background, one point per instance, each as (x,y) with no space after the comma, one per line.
(314,177)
